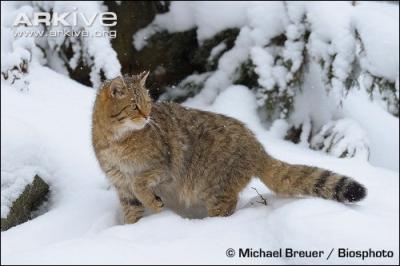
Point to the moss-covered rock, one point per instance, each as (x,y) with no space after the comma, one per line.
(168,57)
(31,198)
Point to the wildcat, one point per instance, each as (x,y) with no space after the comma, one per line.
(193,162)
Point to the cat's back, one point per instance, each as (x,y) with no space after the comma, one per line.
(175,115)
(206,130)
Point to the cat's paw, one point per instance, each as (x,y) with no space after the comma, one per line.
(132,214)
(156,204)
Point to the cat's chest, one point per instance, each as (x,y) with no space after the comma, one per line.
(126,159)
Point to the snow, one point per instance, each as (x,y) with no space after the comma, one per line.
(381,42)
(382,129)
(335,28)
(83,224)
(95,50)
(334,43)
(222,77)
(343,137)
(217,50)
(227,104)
(279,128)
(264,67)
(209,17)
(18,164)
(16,52)
(194,80)
(315,103)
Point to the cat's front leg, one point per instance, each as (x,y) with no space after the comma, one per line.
(132,208)
(142,187)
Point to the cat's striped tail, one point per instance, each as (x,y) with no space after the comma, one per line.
(296,180)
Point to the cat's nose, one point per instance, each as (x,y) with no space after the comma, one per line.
(144,114)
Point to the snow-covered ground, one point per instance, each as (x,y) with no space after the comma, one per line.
(49,125)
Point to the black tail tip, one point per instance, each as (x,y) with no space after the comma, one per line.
(354,192)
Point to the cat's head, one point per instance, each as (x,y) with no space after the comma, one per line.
(128,103)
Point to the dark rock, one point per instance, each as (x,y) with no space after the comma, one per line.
(31,198)
(168,57)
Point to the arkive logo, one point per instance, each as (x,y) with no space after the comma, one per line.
(71,19)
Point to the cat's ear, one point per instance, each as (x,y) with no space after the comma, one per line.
(143,77)
(117,88)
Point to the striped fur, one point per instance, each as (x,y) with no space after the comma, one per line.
(297,180)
